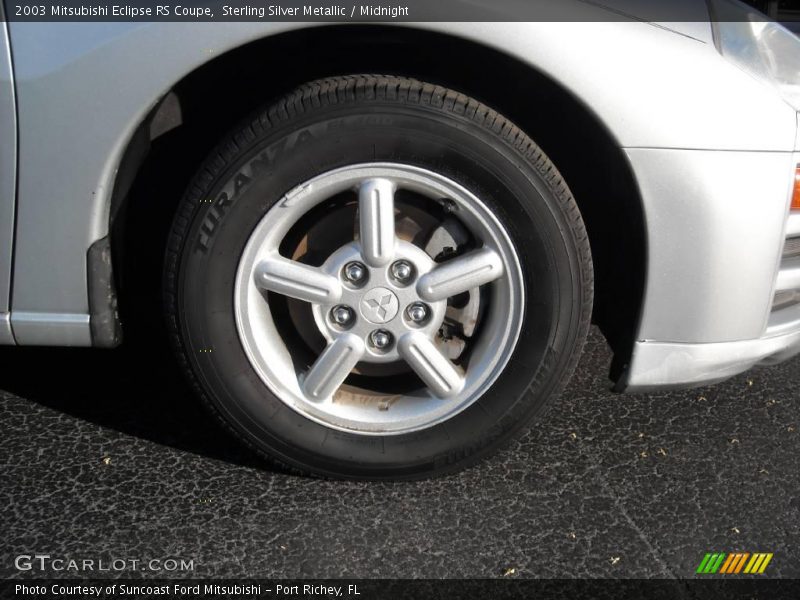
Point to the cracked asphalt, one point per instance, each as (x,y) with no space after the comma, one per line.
(106,455)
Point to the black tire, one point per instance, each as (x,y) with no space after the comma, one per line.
(338,121)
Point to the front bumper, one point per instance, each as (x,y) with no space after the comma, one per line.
(723,289)
(659,366)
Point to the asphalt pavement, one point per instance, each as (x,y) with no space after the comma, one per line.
(105,455)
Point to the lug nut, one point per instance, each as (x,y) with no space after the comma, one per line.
(380,339)
(355,272)
(402,271)
(417,312)
(342,315)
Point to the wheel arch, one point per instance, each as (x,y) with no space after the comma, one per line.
(181,130)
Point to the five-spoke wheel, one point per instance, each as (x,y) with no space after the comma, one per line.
(377,277)
(381,298)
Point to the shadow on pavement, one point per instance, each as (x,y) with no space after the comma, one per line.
(133,389)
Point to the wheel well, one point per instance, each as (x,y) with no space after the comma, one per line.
(213,98)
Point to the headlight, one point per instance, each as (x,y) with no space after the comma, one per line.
(761,47)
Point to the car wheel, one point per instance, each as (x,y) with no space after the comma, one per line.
(376,277)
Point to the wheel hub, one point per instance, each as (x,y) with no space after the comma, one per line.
(379,300)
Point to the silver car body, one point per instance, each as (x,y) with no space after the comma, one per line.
(712,149)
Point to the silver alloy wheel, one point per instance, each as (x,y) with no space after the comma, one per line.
(365,300)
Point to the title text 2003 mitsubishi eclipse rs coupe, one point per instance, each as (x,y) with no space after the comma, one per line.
(389,275)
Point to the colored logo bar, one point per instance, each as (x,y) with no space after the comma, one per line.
(734,563)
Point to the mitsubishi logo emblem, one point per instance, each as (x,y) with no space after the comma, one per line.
(379,305)
(382,305)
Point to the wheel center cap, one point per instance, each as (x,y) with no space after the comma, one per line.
(379,305)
